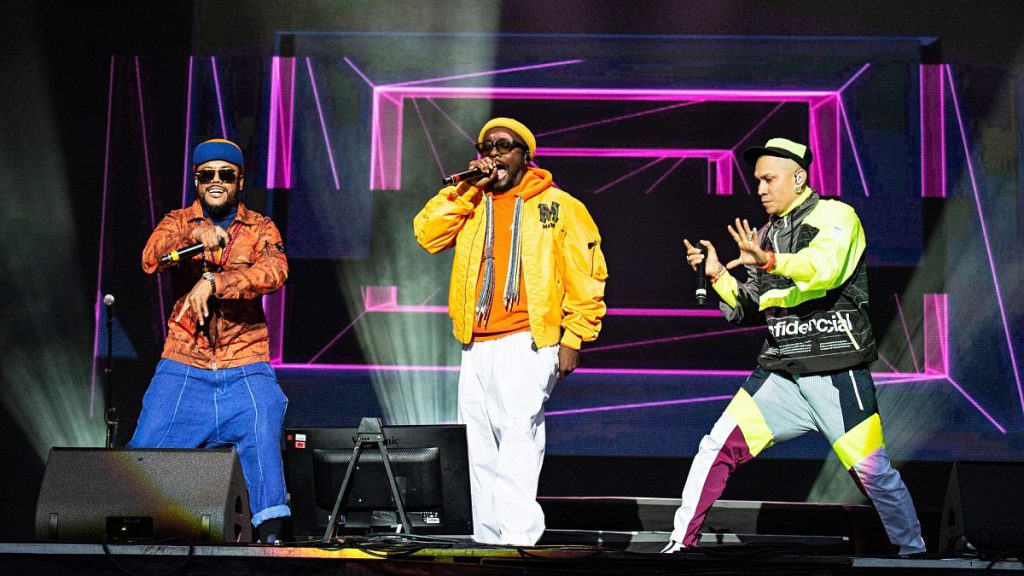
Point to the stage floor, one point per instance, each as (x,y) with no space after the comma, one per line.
(398,554)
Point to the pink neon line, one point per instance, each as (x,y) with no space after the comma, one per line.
(149,184)
(367,367)
(707,178)
(816,145)
(672,339)
(887,363)
(188,126)
(323,125)
(886,379)
(638,405)
(665,175)
(976,405)
(906,332)
(397,160)
(662,403)
(758,125)
(984,233)
(882,378)
(660,153)
(430,141)
(925,73)
(375,145)
(653,312)
(103,228)
(853,147)
(945,332)
(290,142)
(451,121)
(282,135)
(920,120)
(410,308)
(664,312)
(724,185)
(487,73)
(743,177)
(616,119)
(839,150)
(277,342)
(625,94)
(280,153)
(145,142)
(280,325)
(335,339)
(942,131)
(429,298)
(633,173)
(275,80)
(220,105)
(851,80)
(359,72)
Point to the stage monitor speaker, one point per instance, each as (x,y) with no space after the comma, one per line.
(135,495)
(983,508)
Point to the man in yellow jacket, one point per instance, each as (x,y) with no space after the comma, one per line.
(527,289)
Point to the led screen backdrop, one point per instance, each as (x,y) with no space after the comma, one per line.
(347,136)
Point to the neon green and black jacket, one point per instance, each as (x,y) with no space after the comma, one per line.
(815,300)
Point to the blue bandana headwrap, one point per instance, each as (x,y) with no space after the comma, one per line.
(217,149)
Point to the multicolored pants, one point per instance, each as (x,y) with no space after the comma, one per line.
(774,407)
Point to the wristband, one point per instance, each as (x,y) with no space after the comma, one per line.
(208,276)
(770,263)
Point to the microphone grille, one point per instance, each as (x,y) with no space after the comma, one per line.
(108,300)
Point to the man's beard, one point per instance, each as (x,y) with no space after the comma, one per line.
(221,210)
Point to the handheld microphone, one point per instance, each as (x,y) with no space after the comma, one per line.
(453,179)
(185,253)
(702,281)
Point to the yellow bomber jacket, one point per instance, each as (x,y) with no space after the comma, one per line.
(564,270)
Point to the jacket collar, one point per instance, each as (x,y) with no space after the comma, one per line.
(535,181)
(803,205)
(244,215)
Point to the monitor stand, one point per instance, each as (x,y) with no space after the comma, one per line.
(369,433)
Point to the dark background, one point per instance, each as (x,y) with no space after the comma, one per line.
(53,109)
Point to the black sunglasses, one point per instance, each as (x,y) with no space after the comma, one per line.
(503,146)
(227,175)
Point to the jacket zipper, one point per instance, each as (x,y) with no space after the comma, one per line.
(465,290)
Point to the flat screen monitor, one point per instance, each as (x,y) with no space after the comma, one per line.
(430,466)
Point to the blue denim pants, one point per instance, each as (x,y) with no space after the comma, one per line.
(241,408)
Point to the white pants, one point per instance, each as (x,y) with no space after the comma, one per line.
(503,385)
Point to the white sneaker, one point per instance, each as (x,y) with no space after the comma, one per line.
(672,547)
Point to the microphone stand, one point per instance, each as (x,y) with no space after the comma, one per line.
(111,410)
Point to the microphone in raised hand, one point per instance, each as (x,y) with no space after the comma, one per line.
(453,179)
(697,258)
(189,251)
(702,280)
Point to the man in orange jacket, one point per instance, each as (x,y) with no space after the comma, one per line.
(527,289)
(214,386)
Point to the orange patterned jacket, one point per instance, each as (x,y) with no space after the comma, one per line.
(251,265)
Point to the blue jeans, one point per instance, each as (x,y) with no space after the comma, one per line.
(241,408)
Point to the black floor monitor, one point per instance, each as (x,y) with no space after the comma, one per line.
(430,467)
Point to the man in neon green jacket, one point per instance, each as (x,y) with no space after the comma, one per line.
(527,289)
(807,280)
